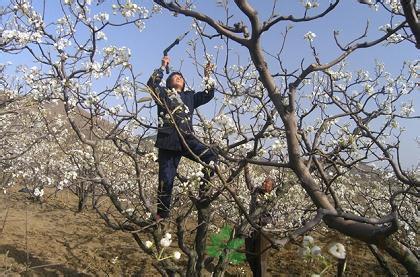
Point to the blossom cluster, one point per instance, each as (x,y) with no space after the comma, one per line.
(21,37)
(208,83)
(226,123)
(395,5)
(117,55)
(164,242)
(130,9)
(313,255)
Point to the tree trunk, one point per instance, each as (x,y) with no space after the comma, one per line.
(203,209)
(370,233)
(82,193)
(257,254)
(94,196)
(403,255)
(341,267)
(82,202)
(381,259)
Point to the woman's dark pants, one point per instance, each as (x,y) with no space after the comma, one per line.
(168,164)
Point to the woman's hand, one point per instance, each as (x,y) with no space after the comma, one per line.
(208,69)
(165,62)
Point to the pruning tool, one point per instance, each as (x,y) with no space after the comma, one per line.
(165,52)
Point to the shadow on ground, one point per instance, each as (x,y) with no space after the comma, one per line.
(36,265)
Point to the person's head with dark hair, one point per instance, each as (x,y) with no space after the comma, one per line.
(176,81)
(268,184)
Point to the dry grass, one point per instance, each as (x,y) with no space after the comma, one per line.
(50,239)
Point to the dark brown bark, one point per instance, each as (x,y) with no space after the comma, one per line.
(203,218)
(257,253)
(364,230)
(403,255)
(411,15)
(381,260)
(341,267)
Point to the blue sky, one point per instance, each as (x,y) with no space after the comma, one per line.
(350,19)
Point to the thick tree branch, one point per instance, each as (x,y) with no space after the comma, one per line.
(411,15)
(171,6)
(252,15)
(315,67)
(271,23)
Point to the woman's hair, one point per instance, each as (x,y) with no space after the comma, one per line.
(168,80)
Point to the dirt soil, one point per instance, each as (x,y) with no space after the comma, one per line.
(51,239)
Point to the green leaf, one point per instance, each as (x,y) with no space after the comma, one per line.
(236,257)
(215,240)
(235,243)
(221,241)
(225,233)
(213,251)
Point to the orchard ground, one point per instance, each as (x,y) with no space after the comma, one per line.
(51,239)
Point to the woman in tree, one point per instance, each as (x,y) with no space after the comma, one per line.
(175,137)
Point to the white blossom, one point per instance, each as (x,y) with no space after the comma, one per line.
(143,12)
(369,89)
(114,260)
(166,240)
(39,192)
(148,244)
(101,17)
(395,5)
(92,99)
(310,36)
(308,4)
(156,8)
(177,255)
(129,211)
(316,250)
(62,43)
(308,240)
(406,109)
(278,146)
(395,38)
(208,83)
(140,24)
(385,28)
(226,123)
(130,9)
(337,250)
(101,36)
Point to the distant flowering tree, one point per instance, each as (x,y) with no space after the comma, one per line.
(315,128)
(23,137)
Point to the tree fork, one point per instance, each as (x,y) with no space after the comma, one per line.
(402,254)
(361,231)
(382,261)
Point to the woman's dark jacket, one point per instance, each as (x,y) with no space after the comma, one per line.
(181,105)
